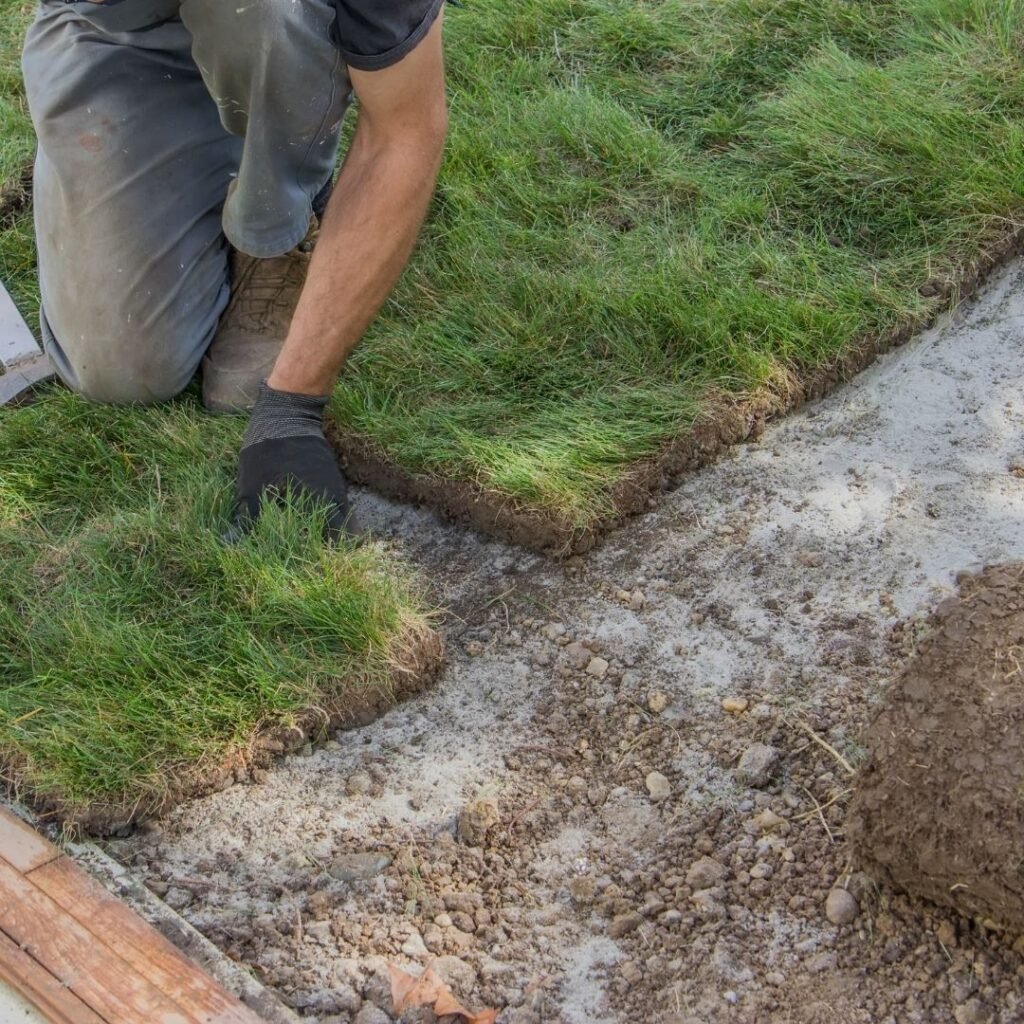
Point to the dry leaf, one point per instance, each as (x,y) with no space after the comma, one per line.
(428,989)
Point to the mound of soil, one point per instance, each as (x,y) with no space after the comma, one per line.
(940,808)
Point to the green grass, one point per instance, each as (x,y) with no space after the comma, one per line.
(136,649)
(647,206)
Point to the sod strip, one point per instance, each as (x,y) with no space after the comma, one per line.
(659,224)
(142,659)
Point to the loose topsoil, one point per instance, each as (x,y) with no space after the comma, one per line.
(615,806)
(939,811)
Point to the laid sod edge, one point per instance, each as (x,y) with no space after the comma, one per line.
(724,421)
(609,286)
(143,660)
(659,219)
(418,662)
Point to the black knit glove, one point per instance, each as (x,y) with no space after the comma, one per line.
(284,450)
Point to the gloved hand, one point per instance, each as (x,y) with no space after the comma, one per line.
(284,449)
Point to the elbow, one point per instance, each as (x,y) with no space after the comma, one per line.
(419,137)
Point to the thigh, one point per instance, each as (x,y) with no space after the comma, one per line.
(132,169)
(282,87)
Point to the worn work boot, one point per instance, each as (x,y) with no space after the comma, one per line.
(264,294)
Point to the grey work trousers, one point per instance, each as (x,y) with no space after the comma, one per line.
(167,130)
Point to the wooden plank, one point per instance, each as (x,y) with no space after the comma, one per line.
(78,958)
(21,845)
(139,945)
(17,343)
(41,988)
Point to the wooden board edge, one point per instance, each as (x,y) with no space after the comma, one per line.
(36,984)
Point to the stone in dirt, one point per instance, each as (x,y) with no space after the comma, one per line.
(355,867)
(597,667)
(938,811)
(578,655)
(476,819)
(756,764)
(840,907)
(735,705)
(623,924)
(657,702)
(705,873)
(414,947)
(658,786)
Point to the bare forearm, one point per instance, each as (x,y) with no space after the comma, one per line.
(369,230)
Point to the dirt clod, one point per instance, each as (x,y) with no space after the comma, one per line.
(623,924)
(705,873)
(756,764)
(657,702)
(477,819)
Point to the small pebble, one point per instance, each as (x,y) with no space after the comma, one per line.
(840,907)
(597,667)
(658,786)
(756,764)
(735,705)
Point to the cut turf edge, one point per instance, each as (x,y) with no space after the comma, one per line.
(725,421)
(416,658)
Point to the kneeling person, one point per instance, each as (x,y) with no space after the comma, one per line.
(184,208)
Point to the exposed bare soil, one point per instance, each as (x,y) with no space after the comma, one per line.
(572,823)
